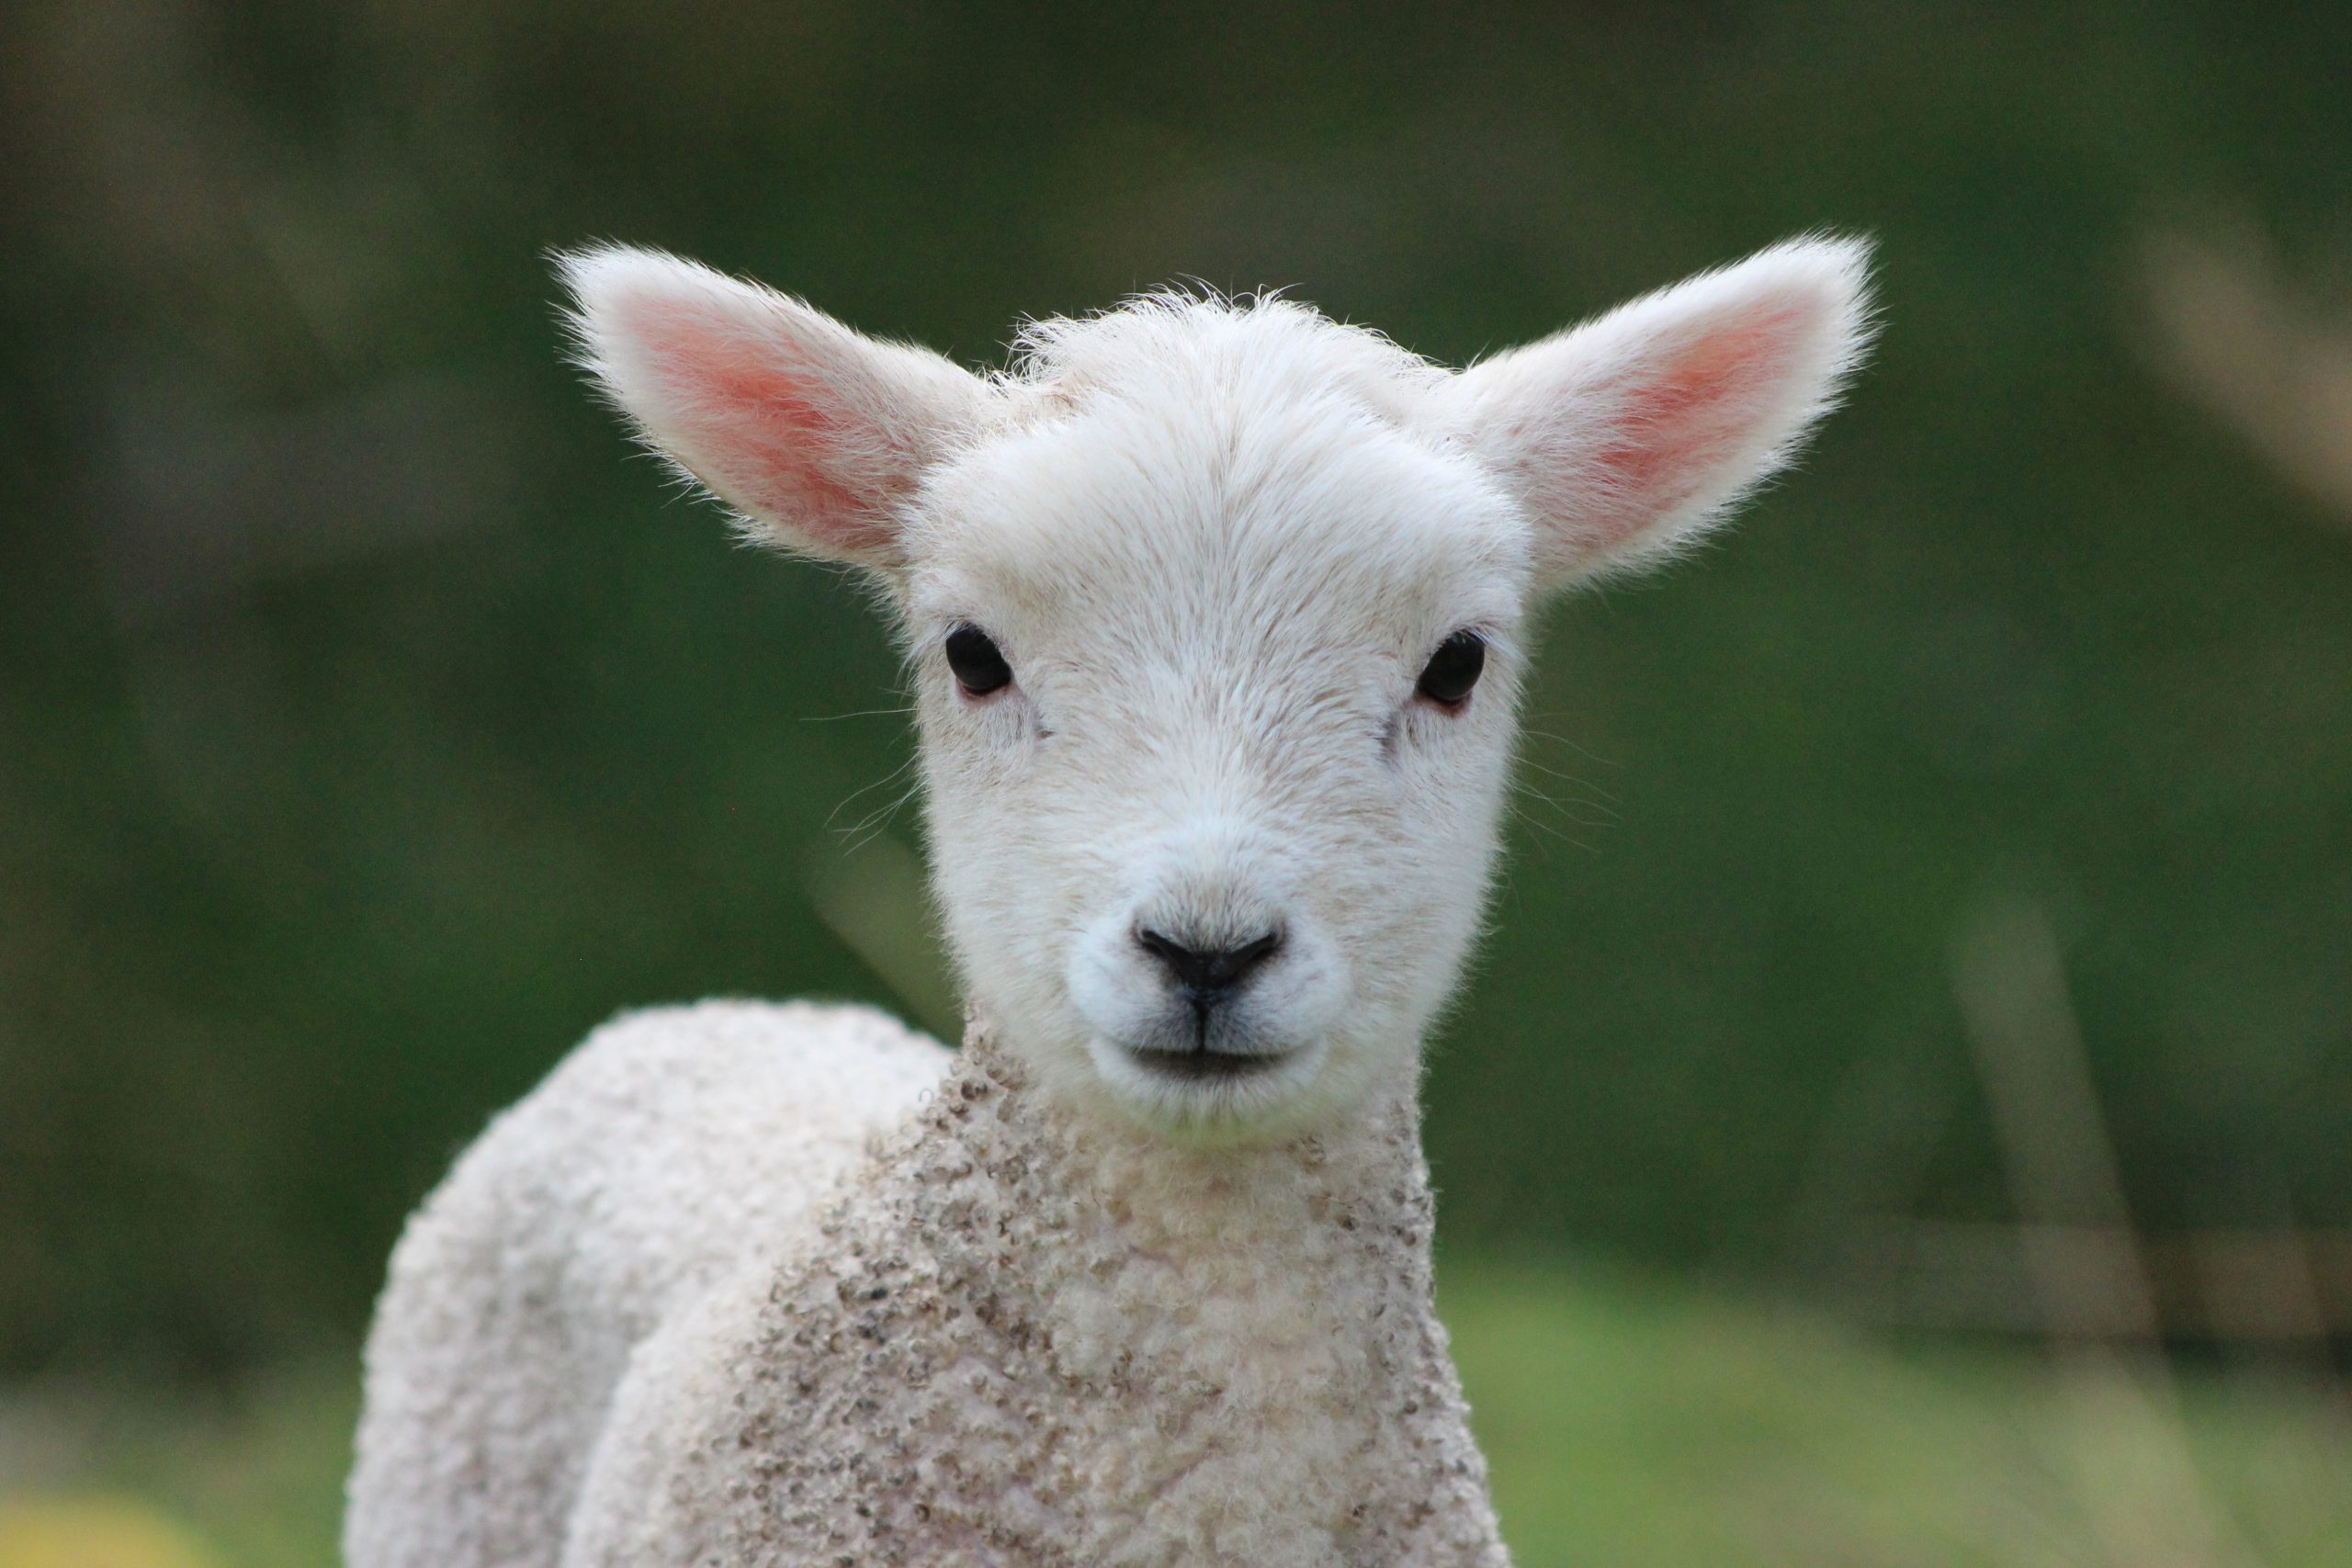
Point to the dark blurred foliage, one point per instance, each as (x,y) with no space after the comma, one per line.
(371,725)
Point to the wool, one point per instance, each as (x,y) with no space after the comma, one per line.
(1022,1337)
(670,1142)
(1141,1276)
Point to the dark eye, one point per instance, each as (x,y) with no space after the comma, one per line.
(1453,669)
(980,666)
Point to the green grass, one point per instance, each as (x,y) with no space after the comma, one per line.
(1628,1427)
(1631,1427)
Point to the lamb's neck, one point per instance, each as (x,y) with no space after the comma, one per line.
(1265,1376)
(1309,1199)
(1082,1345)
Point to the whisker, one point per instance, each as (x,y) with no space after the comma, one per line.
(872,828)
(1584,751)
(885,779)
(866,713)
(1570,808)
(1565,778)
(1543,827)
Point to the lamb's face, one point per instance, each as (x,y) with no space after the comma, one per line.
(1216,613)
(1216,693)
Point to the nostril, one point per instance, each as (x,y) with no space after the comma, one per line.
(1204,971)
(1189,965)
(1169,951)
(1248,956)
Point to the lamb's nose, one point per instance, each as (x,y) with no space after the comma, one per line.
(1206,976)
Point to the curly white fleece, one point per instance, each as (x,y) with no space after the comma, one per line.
(671,1144)
(1013,1337)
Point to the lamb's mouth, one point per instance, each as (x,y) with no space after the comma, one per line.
(1200,1065)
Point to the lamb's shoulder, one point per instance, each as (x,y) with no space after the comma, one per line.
(688,1131)
(836,1399)
(673,1136)
(670,1142)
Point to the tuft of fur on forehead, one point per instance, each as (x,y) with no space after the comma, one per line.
(1242,349)
(1229,463)
(1227,447)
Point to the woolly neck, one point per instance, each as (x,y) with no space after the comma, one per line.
(1165,1196)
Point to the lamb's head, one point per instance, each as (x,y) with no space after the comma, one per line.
(1216,613)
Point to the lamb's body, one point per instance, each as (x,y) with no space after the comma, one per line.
(1217,617)
(1010,1338)
(1024,1342)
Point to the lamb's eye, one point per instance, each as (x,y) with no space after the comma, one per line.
(1453,669)
(978,664)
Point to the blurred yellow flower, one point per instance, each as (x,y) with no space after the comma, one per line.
(94,1532)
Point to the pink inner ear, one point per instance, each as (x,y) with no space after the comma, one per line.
(1675,430)
(763,429)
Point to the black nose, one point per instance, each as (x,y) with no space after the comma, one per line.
(1208,976)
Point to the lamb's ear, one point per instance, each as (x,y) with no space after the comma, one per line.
(1626,437)
(814,433)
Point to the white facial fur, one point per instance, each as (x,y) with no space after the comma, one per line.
(1217,543)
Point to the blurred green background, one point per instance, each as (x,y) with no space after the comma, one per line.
(1933,906)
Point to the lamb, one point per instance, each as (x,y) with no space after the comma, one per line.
(1217,611)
